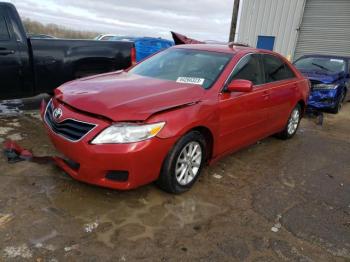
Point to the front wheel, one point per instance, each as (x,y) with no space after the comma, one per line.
(292,124)
(339,104)
(183,164)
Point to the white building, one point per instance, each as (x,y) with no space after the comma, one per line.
(295,27)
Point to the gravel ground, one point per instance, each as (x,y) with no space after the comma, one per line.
(273,201)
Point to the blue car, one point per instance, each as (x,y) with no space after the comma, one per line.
(330,80)
(145,46)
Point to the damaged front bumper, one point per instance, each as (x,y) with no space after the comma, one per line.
(117,166)
(323,99)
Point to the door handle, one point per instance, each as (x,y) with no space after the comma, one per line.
(7,52)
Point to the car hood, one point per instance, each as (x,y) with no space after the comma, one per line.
(122,96)
(322,77)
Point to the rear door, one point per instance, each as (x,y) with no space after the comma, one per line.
(10,63)
(281,84)
(243,116)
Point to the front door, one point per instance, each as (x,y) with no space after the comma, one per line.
(10,64)
(243,116)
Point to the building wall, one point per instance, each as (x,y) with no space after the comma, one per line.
(278,18)
(325,28)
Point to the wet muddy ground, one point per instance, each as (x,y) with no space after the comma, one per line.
(274,201)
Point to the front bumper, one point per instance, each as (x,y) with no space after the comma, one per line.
(323,99)
(141,161)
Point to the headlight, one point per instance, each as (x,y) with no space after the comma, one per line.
(127,133)
(325,86)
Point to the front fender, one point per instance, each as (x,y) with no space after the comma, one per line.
(181,120)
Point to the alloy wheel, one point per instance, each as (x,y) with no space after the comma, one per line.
(188,163)
(293,121)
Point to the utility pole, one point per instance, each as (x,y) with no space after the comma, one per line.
(234,20)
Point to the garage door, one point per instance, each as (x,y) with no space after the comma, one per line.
(325,28)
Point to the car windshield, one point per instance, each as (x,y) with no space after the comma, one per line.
(326,64)
(184,66)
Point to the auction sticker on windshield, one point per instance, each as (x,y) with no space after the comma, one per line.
(190,80)
(337,60)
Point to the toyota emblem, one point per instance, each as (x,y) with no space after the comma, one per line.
(57,113)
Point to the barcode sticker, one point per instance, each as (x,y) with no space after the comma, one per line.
(337,60)
(190,80)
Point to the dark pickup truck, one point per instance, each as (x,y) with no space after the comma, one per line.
(33,66)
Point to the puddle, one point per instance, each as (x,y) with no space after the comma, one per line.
(14,114)
(14,123)
(33,114)
(44,238)
(15,137)
(88,228)
(17,251)
(5,219)
(11,107)
(114,216)
(5,130)
(17,107)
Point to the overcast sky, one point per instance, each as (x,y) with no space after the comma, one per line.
(201,19)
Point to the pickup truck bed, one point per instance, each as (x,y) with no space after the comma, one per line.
(57,61)
(33,66)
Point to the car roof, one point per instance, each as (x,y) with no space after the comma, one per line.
(223,48)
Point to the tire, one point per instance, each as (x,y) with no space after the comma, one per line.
(339,104)
(177,164)
(292,124)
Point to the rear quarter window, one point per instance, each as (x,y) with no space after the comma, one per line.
(276,69)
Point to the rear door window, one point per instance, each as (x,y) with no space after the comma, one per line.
(4,33)
(248,68)
(276,69)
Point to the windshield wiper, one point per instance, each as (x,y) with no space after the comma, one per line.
(321,66)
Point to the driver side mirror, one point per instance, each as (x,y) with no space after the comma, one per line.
(240,85)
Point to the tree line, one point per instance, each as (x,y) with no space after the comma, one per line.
(35,27)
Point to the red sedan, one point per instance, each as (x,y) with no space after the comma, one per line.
(168,116)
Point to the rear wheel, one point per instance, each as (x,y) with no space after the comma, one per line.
(292,124)
(183,164)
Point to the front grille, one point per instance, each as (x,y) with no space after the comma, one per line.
(70,129)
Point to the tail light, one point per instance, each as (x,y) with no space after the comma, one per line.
(133,56)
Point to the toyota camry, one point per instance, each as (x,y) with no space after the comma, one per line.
(165,118)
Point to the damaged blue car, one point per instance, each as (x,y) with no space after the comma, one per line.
(330,80)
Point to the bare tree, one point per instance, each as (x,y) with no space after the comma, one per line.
(34,27)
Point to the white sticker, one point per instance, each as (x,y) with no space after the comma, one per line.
(190,80)
(337,60)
